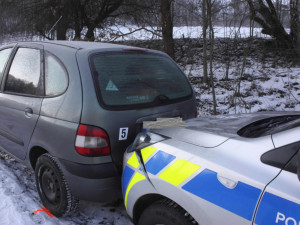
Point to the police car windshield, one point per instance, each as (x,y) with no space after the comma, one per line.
(125,79)
(269,126)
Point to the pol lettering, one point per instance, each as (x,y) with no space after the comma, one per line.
(287,221)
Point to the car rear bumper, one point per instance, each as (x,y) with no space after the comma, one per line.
(100,182)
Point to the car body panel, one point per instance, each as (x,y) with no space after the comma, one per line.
(228,180)
(18,114)
(94,113)
(280,203)
(221,125)
(212,131)
(68,106)
(286,137)
(15,127)
(216,164)
(61,148)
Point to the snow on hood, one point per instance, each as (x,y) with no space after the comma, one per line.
(212,131)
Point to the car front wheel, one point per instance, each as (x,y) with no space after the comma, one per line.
(52,187)
(165,212)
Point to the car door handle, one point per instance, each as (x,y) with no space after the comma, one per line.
(231,184)
(28,112)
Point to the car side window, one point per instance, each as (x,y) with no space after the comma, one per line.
(56,78)
(4,55)
(24,76)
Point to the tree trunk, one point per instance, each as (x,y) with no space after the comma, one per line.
(61,31)
(167,26)
(211,54)
(61,34)
(295,24)
(204,32)
(89,36)
(78,20)
(106,9)
(77,33)
(267,17)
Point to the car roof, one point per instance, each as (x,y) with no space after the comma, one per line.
(213,130)
(78,44)
(86,44)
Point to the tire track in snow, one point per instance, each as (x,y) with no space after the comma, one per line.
(19,199)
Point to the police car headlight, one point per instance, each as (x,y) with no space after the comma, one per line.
(143,140)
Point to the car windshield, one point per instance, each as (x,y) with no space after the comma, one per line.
(269,126)
(138,78)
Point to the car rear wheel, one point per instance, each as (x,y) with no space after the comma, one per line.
(52,187)
(165,212)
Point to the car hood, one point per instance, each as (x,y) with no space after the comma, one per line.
(212,131)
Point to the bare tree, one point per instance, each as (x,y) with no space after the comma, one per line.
(204,34)
(295,23)
(94,13)
(266,16)
(167,26)
(207,6)
(211,53)
(76,14)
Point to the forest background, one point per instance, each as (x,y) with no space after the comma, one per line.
(240,55)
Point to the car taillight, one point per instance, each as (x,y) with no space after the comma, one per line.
(91,141)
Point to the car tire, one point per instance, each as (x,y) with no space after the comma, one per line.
(52,187)
(165,212)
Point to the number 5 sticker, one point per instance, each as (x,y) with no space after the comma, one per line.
(123,133)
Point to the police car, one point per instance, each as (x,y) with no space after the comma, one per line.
(228,170)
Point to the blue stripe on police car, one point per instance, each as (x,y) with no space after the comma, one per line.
(240,200)
(276,210)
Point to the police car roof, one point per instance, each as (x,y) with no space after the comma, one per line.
(214,130)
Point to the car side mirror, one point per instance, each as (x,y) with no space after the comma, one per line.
(143,140)
(140,140)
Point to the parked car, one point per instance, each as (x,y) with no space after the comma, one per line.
(70,109)
(236,170)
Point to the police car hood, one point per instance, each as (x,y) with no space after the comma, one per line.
(212,131)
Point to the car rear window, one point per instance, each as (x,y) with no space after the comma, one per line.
(126,79)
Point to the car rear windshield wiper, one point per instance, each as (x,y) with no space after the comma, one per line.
(162,98)
(267,126)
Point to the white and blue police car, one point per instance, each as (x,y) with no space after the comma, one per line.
(241,169)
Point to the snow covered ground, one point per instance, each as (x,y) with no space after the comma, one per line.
(269,81)
(19,200)
(262,89)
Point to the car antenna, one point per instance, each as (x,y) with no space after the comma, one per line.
(54,25)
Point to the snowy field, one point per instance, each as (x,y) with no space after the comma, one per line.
(123,33)
(267,83)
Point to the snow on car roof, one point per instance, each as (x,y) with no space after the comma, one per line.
(77,44)
(85,44)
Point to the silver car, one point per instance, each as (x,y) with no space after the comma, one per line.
(240,169)
(70,109)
